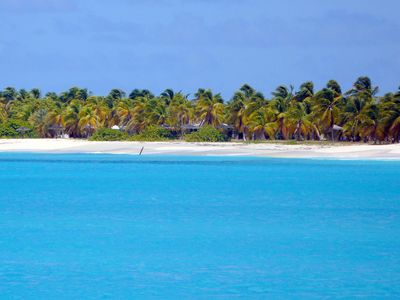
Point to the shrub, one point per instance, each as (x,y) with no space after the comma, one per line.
(153,133)
(206,134)
(8,129)
(108,134)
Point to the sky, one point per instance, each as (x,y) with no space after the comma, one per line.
(190,44)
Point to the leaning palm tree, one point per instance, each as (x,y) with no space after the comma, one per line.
(326,108)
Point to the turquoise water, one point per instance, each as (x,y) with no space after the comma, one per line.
(121,227)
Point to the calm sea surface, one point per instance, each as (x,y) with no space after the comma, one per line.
(128,227)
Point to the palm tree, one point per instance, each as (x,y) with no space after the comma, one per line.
(210,108)
(9,94)
(140,93)
(22,109)
(179,112)
(39,121)
(23,94)
(363,88)
(391,116)
(156,112)
(299,121)
(89,121)
(71,118)
(124,111)
(3,112)
(56,116)
(335,87)
(359,108)
(354,116)
(237,108)
(243,104)
(282,98)
(142,112)
(167,96)
(302,115)
(101,109)
(263,122)
(369,127)
(73,93)
(306,91)
(138,122)
(326,108)
(35,93)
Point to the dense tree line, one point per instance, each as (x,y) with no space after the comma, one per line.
(304,114)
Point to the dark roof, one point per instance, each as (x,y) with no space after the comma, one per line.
(191,126)
(337,127)
(56,127)
(23,129)
(225,126)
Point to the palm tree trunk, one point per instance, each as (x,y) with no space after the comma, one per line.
(298,131)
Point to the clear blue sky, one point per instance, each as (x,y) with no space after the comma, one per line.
(187,44)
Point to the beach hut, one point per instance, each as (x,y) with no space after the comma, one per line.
(57,130)
(337,128)
(336,131)
(191,127)
(88,129)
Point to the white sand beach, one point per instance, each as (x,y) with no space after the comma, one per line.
(339,151)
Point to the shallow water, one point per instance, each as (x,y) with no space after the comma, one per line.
(124,227)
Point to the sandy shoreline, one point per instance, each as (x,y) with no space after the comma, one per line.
(356,151)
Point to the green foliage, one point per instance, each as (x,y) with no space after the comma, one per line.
(107,134)
(206,134)
(153,133)
(9,129)
(305,113)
